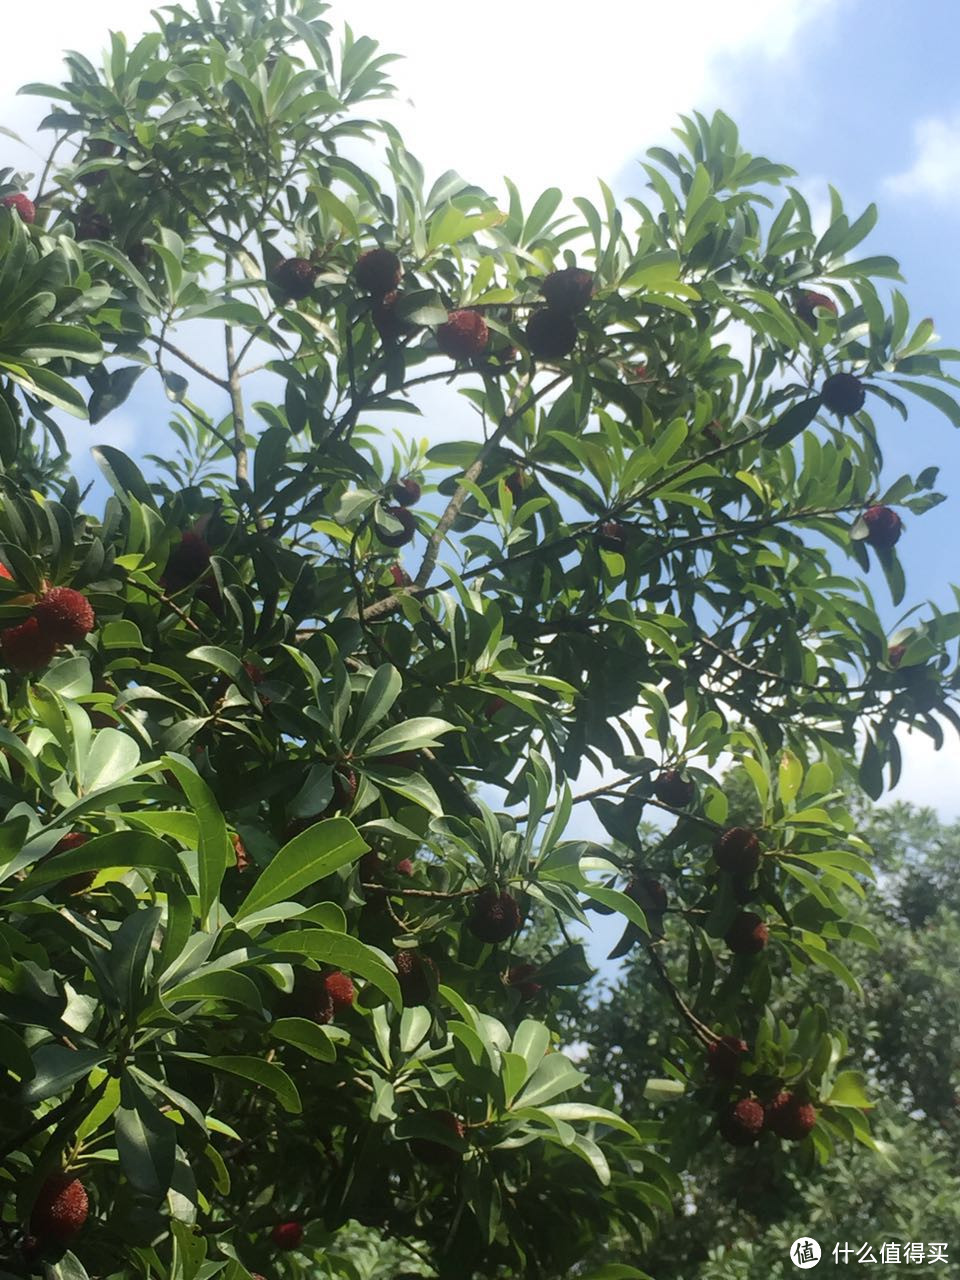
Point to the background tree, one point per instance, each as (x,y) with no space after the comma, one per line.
(281,803)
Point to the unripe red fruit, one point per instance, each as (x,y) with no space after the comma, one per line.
(884,527)
(568,290)
(400,576)
(243,860)
(60,1209)
(404,867)
(406,492)
(339,987)
(895,655)
(674,789)
(465,334)
(25,647)
(789,1117)
(741,1122)
(808,300)
(737,851)
(417,976)
(23,205)
(92,225)
(401,536)
(378,271)
(550,335)
(5,572)
(81,880)
(494,705)
(748,935)
(64,615)
(294,277)
(611,536)
(843,394)
(287,1235)
(431,1152)
(496,916)
(187,561)
(723,1057)
(521,977)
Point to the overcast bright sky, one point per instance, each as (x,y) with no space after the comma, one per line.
(861,93)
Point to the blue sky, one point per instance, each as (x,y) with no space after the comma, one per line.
(860,93)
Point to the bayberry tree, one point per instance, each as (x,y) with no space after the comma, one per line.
(293,725)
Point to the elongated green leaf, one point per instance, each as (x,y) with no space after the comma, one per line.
(214,851)
(556,1074)
(344,952)
(796,419)
(266,1074)
(308,1036)
(56,1068)
(146,1141)
(411,735)
(309,857)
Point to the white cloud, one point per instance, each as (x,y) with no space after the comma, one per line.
(929,778)
(935,172)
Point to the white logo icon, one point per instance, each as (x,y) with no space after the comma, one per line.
(805,1253)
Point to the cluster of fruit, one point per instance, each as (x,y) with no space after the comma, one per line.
(58,616)
(786,1113)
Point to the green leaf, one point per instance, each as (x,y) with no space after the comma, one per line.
(378,697)
(849,1090)
(556,1074)
(219,984)
(947,405)
(411,735)
(56,1068)
(530,1042)
(343,952)
(266,1074)
(113,755)
(214,851)
(790,774)
(308,1036)
(146,1141)
(789,425)
(308,858)
(586,1111)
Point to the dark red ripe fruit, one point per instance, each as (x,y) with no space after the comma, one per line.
(807,302)
(417,976)
(378,271)
(496,916)
(843,394)
(287,1235)
(294,278)
(568,290)
(399,537)
(310,998)
(370,867)
(400,576)
(723,1057)
(521,977)
(494,705)
(741,1122)
(339,987)
(611,536)
(895,655)
(674,789)
(550,335)
(188,560)
(884,527)
(748,935)
(390,324)
(790,1117)
(648,894)
(431,1152)
(464,335)
(404,867)
(23,205)
(60,1209)
(737,850)
(82,880)
(92,225)
(25,647)
(406,492)
(515,484)
(64,615)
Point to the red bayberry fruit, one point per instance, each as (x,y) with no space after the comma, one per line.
(404,867)
(370,867)
(808,301)
(400,576)
(287,1235)
(895,655)
(432,1152)
(255,674)
(5,572)
(884,527)
(406,492)
(60,1209)
(648,894)
(723,1057)
(515,484)
(187,561)
(748,935)
(737,850)
(294,278)
(391,326)
(92,225)
(741,1122)
(417,976)
(843,394)
(674,789)
(64,615)
(310,998)
(493,705)
(23,205)
(611,536)
(81,880)
(550,335)
(464,335)
(521,977)
(397,537)
(339,987)
(378,271)
(496,916)
(25,647)
(790,1117)
(568,290)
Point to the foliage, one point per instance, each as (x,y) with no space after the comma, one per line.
(627,555)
